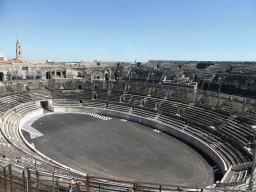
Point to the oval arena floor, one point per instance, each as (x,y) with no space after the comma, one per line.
(119,149)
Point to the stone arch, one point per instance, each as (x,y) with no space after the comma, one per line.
(1,76)
(195,78)
(94,96)
(106,77)
(48,75)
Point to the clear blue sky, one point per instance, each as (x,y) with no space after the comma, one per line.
(120,30)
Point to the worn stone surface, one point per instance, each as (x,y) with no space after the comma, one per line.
(120,150)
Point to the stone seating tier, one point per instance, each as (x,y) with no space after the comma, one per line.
(166,114)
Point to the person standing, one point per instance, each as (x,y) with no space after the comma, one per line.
(73,185)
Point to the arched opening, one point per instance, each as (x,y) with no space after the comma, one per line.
(116,75)
(195,78)
(106,77)
(19,52)
(205,86)
(79,86)
(122,98)
(95,86)
(38,77)
(94,96)
(2,76)
(44,104)
(48,75)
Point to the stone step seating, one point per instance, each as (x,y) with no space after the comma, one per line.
(229,153)
(178,97)
(40,94)
(16,99)
(7,149)
(139,90)
(17,148)
(203,132)
(157,93)
(213,141)
(227,107)
(127,98)
(100,95)
(172,107)
(209,114)
(130,99)
(243,125)
(3,108)
(145,91)
(11,133)
(232,153)
(203,115)
(66,102)
(118,107)
(232,131)
(171,122)
(239,176)
(93,103)
(9,101)
(135,100)
(118,88)
(115,96)
(144,113)
(86,95)
(229,156)
(131,89)
(251,114)
(151,102)
(59,94)
(10,128)
(243,156)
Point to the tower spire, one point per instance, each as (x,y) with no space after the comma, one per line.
(18,49)
(18,41)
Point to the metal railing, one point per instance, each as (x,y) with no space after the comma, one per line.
(19,178)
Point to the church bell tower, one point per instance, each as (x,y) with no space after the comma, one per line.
(18,50)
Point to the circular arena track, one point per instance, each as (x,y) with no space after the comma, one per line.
(117,149)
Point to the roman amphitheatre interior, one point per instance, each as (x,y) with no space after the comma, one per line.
(123,126)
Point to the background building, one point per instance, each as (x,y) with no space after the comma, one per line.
(2,57)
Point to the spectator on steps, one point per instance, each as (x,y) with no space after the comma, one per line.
(188,122)
(18,160)
(73,185)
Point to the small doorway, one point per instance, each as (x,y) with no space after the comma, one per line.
(44,104)
(2,76)
(48,75)
(106,77)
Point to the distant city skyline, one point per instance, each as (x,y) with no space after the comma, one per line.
(120,30)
